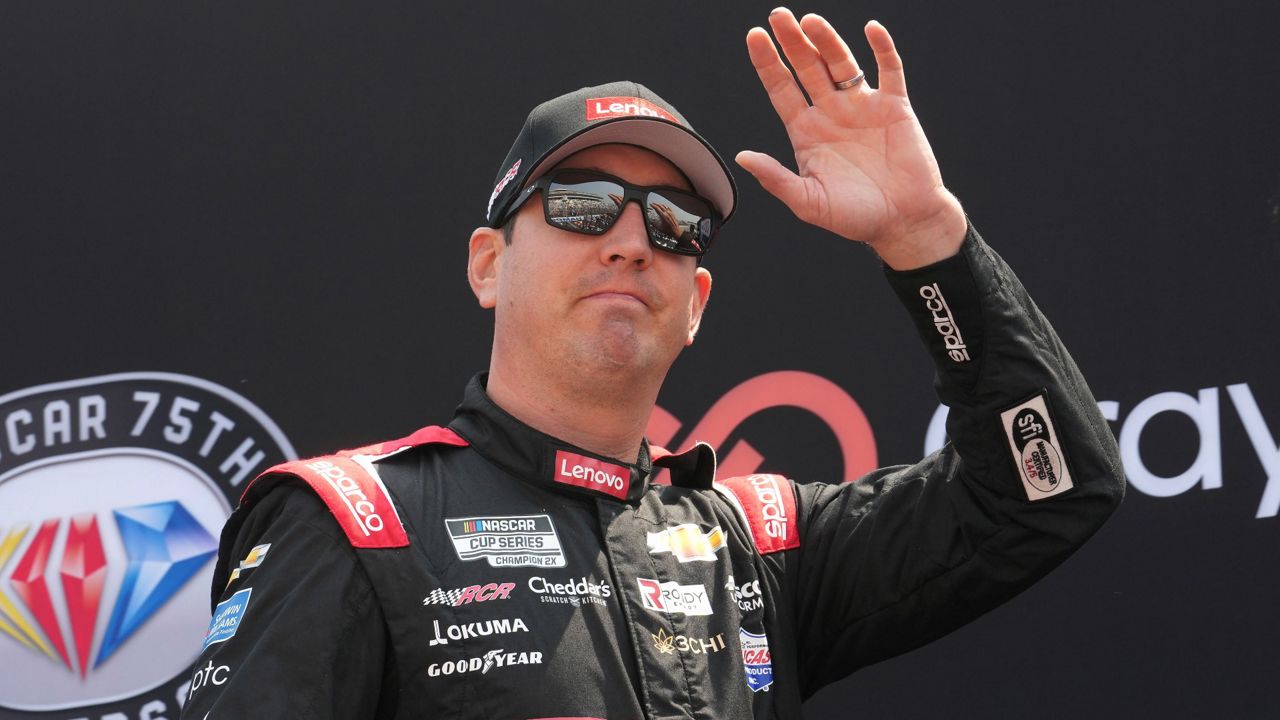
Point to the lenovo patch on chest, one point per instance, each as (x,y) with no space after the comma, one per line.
(592,474)
(1037,452)
(507,540)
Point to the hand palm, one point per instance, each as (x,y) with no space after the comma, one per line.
(864,167)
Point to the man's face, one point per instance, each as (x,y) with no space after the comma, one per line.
(594,306)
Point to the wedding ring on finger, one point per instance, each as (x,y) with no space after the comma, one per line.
(851,82)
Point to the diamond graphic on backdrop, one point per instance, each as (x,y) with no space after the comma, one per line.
(29,581)
(84,572)
(166,546)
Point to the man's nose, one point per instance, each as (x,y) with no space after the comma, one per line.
(627,241)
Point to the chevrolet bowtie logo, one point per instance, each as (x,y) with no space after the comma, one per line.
(165,546)
(687,542)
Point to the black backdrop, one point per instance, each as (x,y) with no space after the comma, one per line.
(276,198)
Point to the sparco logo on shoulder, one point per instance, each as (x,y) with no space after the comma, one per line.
(113,490)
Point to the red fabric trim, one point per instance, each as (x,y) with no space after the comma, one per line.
(357,500)
(769,503)
(430,435)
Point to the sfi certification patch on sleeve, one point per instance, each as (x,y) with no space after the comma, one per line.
(1036,449)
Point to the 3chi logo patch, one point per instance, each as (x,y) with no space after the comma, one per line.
(113,490)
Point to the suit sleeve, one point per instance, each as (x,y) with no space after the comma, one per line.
(297,631)
(908,554)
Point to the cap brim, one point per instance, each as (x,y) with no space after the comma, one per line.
(684,149)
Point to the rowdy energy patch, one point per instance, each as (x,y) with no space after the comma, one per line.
(1036,449)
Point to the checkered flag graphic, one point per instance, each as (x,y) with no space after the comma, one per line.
(443,597)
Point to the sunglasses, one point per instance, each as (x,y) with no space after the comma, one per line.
(587,202)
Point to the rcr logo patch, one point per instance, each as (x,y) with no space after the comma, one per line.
(1036,451)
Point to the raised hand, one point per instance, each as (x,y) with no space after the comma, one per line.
(865,170)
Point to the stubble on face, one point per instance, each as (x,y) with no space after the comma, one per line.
(555,312)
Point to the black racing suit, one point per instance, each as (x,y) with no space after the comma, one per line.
(521,577)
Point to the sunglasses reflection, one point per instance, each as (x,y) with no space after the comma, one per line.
(595,213)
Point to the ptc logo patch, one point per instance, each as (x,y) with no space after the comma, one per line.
(113,491)
(1036,450)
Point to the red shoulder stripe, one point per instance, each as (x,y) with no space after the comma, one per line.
(357,499)
(769,504)
(352,490)
(430,435)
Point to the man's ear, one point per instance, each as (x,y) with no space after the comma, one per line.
(698,301)
(487,245)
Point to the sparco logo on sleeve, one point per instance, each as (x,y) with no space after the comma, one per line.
(672,597)
(944,323)
(507,541)
(592,474)
(768,504)
(112,491)
(1036,450)
(611,107)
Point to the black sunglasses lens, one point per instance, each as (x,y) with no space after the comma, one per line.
(678,222)
(582,203)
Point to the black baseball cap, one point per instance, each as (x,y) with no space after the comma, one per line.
(618,112)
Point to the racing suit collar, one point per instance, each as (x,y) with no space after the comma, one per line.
(541,459)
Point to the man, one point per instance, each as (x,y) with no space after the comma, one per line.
(521,563)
